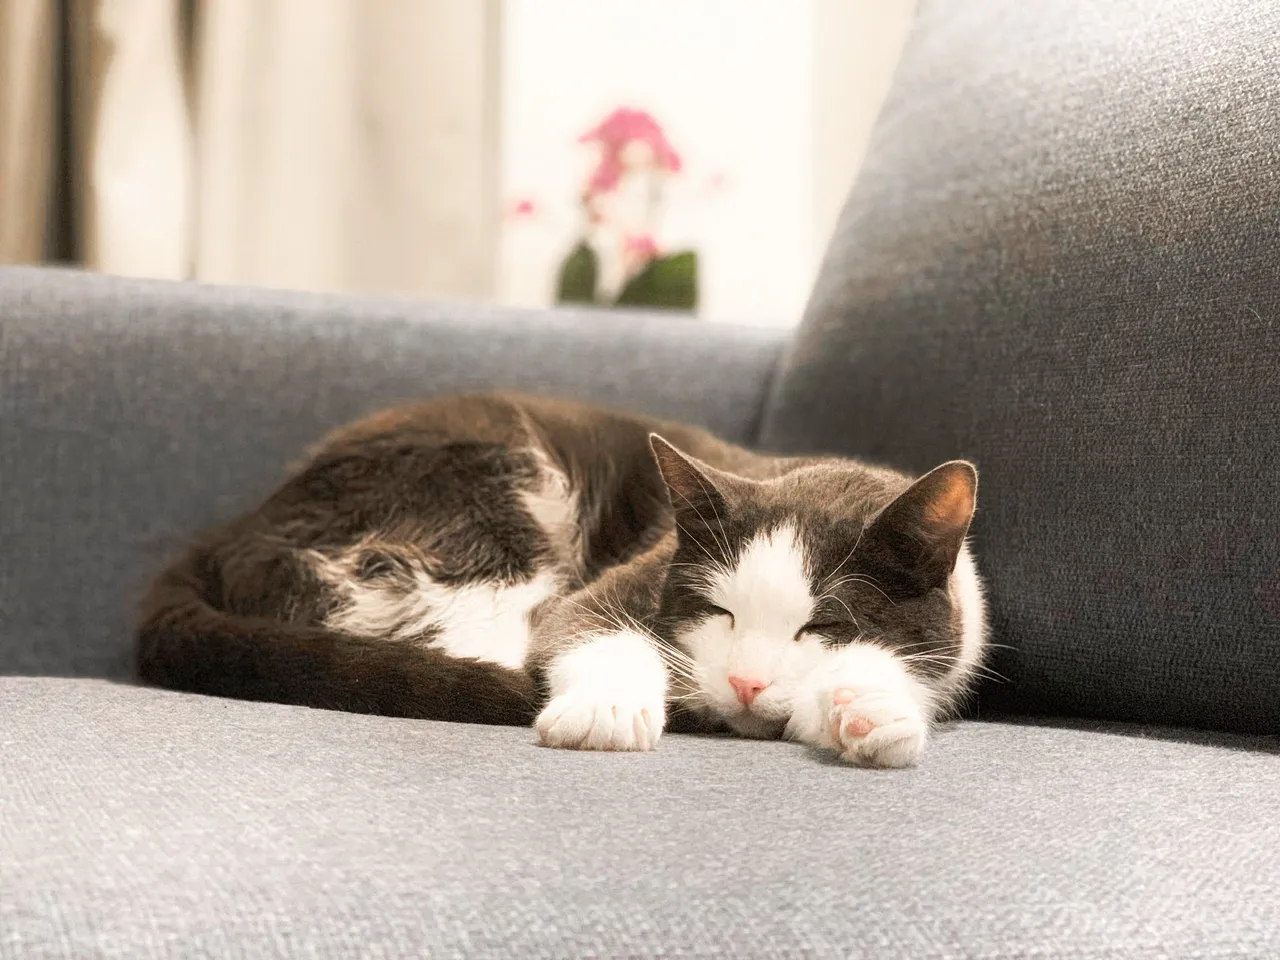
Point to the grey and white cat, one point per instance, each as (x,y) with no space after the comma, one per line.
(605,577)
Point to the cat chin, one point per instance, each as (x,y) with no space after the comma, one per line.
(755,727)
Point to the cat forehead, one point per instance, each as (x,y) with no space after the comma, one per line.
(812,538)
(767,584)
(821,493)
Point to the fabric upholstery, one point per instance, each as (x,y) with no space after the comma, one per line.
(142,824)
(133,413)
(1062,260)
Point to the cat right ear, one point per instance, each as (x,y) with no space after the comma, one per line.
(691,485)
(915,540)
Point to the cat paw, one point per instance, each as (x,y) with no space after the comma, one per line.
(864,704)
(876,727)
(609,694)
(576,722)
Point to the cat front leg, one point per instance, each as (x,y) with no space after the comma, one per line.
(608,692)
(863,703)
(604,673)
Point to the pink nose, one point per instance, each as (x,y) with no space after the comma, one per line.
(747,689)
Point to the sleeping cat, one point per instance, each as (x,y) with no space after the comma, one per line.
(607,577)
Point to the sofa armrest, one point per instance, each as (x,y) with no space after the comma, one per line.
(132,413)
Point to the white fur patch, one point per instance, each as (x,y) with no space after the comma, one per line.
(967,594)
(486,621)
(607,693)
(768,589)
(769,595)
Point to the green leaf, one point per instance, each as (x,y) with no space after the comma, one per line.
(668,283)
(578,276)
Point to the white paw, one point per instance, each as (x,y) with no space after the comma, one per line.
(876,726)
(863,703)
(578,721)
(608,693)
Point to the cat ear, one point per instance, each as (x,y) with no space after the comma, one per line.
(697,491)
(915,539)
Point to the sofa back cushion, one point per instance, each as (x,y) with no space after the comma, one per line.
(1062,260)
(135,413)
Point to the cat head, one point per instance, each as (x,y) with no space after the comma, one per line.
(770,577)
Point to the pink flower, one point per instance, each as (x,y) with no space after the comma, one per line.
(522,209)
(607,173)
(668,159)
(625,125)
(641,246)
(637,250)
(622,125)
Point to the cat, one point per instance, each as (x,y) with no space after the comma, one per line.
(605,577)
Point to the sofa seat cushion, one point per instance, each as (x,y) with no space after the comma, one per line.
(139,823)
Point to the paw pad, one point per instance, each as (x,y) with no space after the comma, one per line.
(876,727)
(859,727)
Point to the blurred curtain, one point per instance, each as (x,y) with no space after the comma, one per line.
(132,132)
(28,78)
(315,144)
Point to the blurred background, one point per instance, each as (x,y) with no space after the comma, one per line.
(681,154)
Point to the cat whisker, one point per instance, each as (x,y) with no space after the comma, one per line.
(615,616)
(829,596)
(724,537)
(948,661)
(863,579)
(679,670)
(602,616)
(680,527)
(826,584)
(696,699)
(723,544)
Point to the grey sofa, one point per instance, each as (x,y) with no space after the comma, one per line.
(1060,260)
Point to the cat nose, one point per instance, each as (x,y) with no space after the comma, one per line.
(746,688)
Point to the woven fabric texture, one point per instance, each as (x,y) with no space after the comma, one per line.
(141,824)
(1062,260)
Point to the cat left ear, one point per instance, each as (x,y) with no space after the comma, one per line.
(689,482)
(915,539)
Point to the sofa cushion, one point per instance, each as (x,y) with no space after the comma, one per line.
(1062,259)
(138,823)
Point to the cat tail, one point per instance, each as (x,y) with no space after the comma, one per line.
(185,643)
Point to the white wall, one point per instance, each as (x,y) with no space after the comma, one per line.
(737,85)
(857,46)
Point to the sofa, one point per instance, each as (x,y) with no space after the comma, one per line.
(1061,259)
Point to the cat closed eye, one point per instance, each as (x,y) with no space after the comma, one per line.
(721,612)
(822,628)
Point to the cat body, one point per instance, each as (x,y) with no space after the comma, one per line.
(604,576)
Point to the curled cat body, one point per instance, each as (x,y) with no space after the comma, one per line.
(604,577)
